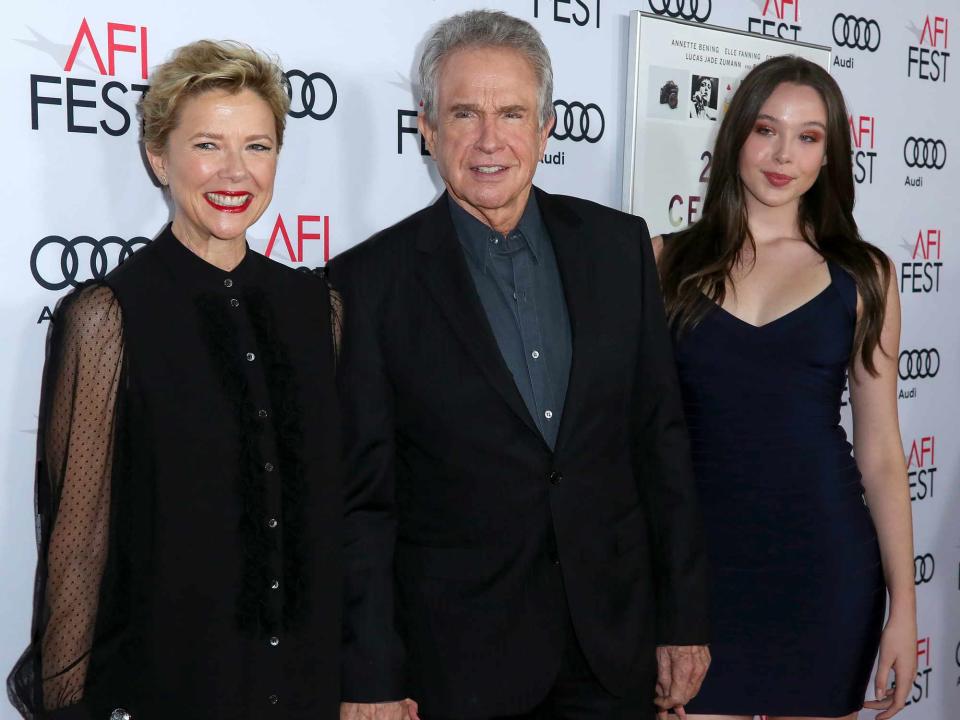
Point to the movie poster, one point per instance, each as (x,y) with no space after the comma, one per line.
(681,78)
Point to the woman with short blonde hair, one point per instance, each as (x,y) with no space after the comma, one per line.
(188,474)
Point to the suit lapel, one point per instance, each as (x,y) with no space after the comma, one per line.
(444,272)
(575,261)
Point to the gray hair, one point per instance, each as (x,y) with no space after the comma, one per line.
(484,28)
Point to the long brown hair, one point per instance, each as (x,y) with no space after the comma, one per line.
(697,263)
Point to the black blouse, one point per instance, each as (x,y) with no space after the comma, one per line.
(188,497)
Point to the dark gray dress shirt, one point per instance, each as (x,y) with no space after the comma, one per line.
(519,284)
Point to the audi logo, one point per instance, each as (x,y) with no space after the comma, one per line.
(917,364)
(856,32)
(698,10)
(578,122)
(310,95)
(68,270)
(923,566)
(925,153)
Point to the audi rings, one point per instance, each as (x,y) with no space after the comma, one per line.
(310,94)
(698,10)
(923,567)
(577,122)
(925,153)
(918,364)
(69,266)
(856,32)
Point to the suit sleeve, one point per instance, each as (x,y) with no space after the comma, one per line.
(665,471)
(372,652)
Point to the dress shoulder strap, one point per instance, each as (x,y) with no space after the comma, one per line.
(845,286)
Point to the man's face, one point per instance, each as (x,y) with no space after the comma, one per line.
(487,141)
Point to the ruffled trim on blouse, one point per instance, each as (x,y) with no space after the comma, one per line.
(223,343)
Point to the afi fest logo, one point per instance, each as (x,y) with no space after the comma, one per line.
(407,125)
(577,13)
(927,60)
(863,132)
(922,467)
(90,105)
(921,684)
(695,10)
(407,119)
(309,228)
(921,274)
(778,18)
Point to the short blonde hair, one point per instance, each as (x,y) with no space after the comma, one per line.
(209,65)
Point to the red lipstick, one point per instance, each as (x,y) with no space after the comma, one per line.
(212,200)
(776,179)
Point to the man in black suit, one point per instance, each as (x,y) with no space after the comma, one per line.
(522,538)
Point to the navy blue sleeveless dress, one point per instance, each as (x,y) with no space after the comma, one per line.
(797,589)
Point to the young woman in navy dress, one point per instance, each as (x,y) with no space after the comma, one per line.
(773,296)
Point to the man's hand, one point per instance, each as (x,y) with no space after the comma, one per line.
(399,710)
(680,671)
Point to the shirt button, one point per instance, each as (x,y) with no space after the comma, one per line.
(495,240)
(548,414)
(273,699)
(251,357)
(275,584)
(535,354)
(272,523)
(262,413)
(228,283)
(268,467)
(234,302)
(274,641)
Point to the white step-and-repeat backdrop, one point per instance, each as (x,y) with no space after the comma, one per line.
(78,195)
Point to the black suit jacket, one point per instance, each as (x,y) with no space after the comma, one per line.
(467,538)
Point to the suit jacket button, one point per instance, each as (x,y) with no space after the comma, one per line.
(555,477)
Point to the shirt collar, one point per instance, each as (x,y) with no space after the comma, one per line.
(196,273)
(476,236)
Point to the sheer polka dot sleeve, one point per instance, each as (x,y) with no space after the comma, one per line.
(76,449)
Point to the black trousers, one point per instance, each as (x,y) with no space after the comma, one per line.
(577,694)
